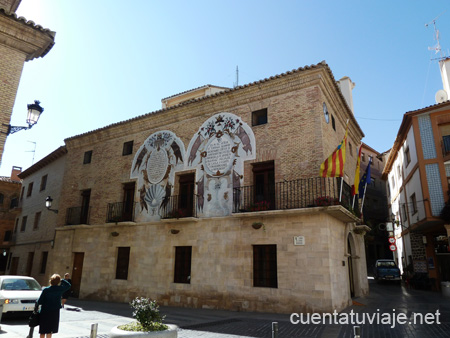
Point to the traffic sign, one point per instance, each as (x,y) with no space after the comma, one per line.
(391,240)
(392,247)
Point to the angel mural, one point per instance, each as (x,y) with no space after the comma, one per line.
(218,151)
(154,167)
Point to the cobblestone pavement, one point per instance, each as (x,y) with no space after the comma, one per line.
(383,300)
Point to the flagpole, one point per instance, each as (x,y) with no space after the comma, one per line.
(353,203)
(340,194)
(364,195)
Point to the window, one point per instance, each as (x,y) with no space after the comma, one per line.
(371,159)
(7,237)
(43,183)
(37,218)
(123,261)
(350,148)
(30,189)
(264,183)
(23,193)
(87,157)
(363,157)
(265,266)
(183,256)
(404,216)
(127,148)
(399,171)
(14,203)
(2,197)
(413,203)
(393,182)
(259,117)
(24,223)
(17,225)
(333,122)
(44,261)
(407,156)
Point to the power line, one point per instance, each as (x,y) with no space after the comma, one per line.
(368,118)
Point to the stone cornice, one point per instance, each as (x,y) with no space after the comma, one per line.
(25,36)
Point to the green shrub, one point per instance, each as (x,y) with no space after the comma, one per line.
(146,312)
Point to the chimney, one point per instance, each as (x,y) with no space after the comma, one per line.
(15,172)
(346,85)
(444,65)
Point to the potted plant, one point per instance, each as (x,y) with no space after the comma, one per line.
(149,322)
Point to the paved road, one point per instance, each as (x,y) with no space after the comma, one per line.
(77,317)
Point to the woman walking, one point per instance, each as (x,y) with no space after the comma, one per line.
(50,301)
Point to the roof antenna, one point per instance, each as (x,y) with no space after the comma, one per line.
(32,151)
(437,47)
(236,84)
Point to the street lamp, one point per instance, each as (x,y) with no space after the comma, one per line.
(48,204)
(34,112)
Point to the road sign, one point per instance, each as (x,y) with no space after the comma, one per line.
(391,240)
(392,247)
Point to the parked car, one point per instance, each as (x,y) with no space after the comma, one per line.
(19,293)
(386,269)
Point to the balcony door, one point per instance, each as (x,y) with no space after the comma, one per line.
(264,183)
(128,201)
(186,196)
(85,200)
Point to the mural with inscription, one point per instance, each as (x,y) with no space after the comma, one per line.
(218,151)
(154,166)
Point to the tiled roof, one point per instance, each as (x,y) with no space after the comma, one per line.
(30,23)
(192,90)
(321,64)
(8,180)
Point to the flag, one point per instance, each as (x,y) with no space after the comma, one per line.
(333,166)
(355,187)
(365,180)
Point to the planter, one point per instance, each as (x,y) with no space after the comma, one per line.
(170,333)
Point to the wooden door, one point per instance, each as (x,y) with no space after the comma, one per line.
(77,271)
(186,198)
(85,200)
(128,201)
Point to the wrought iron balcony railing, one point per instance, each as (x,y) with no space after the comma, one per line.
(179,206)
(301,193)
(120,212)
(77,215)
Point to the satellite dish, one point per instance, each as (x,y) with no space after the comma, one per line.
(441,96)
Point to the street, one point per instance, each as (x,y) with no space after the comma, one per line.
(396,307)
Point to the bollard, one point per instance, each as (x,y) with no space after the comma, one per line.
(274,329)
(357,331)
(94,330)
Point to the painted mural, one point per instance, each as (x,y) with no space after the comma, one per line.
(218,151)
(154,166)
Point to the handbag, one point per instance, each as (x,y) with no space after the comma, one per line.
(33,321)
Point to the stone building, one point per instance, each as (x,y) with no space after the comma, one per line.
(215,201)
(20,41)
(417,172)
(34,231)
(9,210)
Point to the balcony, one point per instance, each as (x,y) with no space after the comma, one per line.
(120,212)
(181,206)
(301,193)
(77,215)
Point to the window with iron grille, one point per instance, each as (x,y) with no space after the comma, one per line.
(407,156)
(413,203)
(265,266)
(123,261)
(127,148)
(183,257)
(7,237)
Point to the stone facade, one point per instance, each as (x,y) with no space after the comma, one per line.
(309,251)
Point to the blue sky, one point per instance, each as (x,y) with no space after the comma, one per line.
(114,60)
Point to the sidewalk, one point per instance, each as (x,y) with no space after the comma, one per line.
(383,299)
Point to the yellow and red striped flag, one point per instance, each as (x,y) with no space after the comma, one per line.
(355,187)
(333,166)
